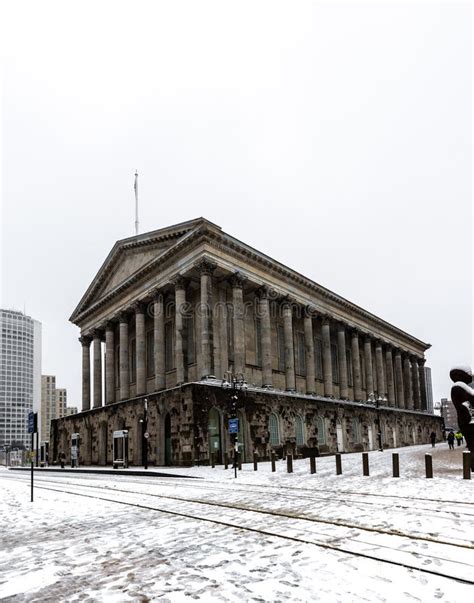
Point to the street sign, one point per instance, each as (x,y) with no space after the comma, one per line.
(146,435)
(32,422)
(233,425)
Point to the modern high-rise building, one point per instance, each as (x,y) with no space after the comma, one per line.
(53,404)
(20,375)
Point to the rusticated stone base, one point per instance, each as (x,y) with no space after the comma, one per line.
(179,434)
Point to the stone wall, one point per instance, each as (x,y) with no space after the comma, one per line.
(179,418)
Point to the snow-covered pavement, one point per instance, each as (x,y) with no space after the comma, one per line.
(263,537)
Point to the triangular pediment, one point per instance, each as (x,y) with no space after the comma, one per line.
(129,262)
(130,256)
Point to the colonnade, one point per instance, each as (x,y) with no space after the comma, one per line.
(376,366)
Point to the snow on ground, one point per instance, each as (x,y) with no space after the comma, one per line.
(66,547)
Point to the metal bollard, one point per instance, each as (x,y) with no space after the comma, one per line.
(255,461)
(395,464)
(466,464)
(312,464)
(338,463)
(289,463)
(226,460)
(240,461)
(272,458)
(429,465)
(213,460)
(365,463)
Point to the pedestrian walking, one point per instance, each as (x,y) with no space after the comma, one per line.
(459,437)
(433,438)
(451,440)
(62,459)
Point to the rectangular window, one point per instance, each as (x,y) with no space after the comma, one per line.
(133,361)
(300,354)
(349,367)
(169,356)
(318,357)
(281,347)
(189,321)
(258,342)
(334,363)
(150,354)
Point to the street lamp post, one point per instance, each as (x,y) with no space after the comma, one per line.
(234,382)
(145,434)
(377,400)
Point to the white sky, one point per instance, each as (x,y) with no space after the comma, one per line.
(334,137)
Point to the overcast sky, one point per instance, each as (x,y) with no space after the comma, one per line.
(336,138)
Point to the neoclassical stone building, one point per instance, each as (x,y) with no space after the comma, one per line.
(171,312)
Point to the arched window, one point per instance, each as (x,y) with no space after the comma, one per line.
(355,430)
(299,431)
(274,429)
(321,431)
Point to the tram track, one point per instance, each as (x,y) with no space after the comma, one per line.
(407,550)
(274,513)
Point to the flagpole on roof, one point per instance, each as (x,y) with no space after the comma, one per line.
(135,186)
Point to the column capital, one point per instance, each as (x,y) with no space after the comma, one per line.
(109,325)
(326,319)
(179,282)
(263,292)
(367,337)
(288,302)
(341,325)
(237,280)
(310,311)
(354,331)
(378,342)
(123,317)
(414,358)
(206,267)
(421,362)
(85,340)
(157,294)
(97,333)
(139,307)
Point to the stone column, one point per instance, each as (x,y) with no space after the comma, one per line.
(237,282)
(110,363)
(124,363)
(86,372)
(180,308)
(206,268)
(399,379)
(97,353)
(341,344)
(423,392)
(140,347)
(356,365)
(407,382)
(381,387)
(369,376)
(309,352)
(390,381)
(289,346)
(159,340)
(224,347)
(415,374)
(264,315)
(327,363)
